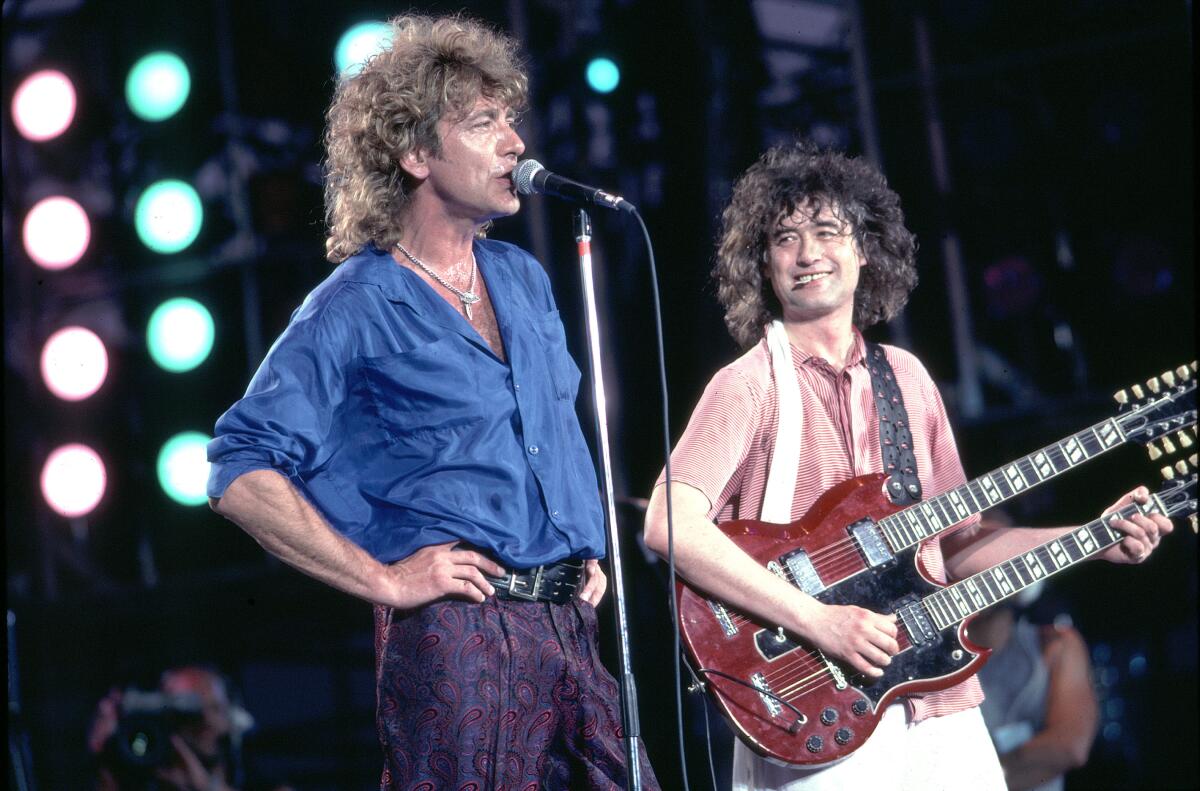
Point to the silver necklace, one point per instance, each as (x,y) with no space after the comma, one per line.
(467,298)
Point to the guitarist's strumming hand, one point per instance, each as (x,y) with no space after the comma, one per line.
(1142,532)
(863,639)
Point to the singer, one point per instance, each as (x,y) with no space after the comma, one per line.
(411,437)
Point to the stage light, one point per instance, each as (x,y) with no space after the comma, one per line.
(56,232)
(183,468)
(603,75)
(157,86)
(358,44)
(74,363)
(44,105)
(180,334)
(73,480)
(168,216)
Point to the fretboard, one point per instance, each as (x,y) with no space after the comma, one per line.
(929,517)
(955,602)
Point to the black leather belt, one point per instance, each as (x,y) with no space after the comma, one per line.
(555,583)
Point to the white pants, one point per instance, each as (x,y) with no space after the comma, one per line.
(935,754)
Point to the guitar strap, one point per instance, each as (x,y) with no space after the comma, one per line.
(895,440)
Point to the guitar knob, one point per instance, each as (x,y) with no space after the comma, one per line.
(815,744)
(859,707)
(843,735)
(828,716)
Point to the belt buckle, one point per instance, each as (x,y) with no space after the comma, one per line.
(532,595)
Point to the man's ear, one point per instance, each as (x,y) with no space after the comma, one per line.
(415,162)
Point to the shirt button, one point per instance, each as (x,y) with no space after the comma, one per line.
(554,514)
(533,449)
(516,387)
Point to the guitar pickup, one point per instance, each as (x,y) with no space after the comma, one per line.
(871,543)
(917,623)
(803,572)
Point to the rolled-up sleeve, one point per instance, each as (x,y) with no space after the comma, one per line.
(285,422)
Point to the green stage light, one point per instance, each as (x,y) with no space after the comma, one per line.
(157,86)
(168,216)
(359,43)
(180,334)
(603,75)
(183,468)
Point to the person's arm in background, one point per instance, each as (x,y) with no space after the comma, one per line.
(1072,715)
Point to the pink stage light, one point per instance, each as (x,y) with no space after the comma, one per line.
(44,105)
(56,232)
(74,363)
(73,480)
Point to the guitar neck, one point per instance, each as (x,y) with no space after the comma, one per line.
(956,602)
(927,518)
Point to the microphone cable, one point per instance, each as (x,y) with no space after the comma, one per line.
(666,423)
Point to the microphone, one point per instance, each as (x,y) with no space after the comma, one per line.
(530,178)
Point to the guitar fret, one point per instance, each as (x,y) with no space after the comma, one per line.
(1043,466)
(945,518)
(1074,450)
(896,533)
(916,523)
(960,604)
(1002,485)
(990,492)
(977,504)
(931,522)
(1109,434)
(961,511)
(1028,471)
(973,592)
(1057,458)
(1002,581)
(1014,478)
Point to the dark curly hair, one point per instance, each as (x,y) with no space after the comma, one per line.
(434,68)
(796,175)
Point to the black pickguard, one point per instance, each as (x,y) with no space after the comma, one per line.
(883,589)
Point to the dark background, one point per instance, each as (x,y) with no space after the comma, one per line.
(1068,131)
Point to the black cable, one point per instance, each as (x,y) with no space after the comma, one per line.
(666,421)
(699,685)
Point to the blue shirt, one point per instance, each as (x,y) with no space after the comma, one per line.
(393,416)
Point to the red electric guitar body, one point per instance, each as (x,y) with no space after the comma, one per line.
(787,700)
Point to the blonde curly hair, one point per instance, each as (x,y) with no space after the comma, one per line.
(799,175)
(434,68)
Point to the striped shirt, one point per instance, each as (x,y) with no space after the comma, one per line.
(727,448)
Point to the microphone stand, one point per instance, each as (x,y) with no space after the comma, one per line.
(629,712)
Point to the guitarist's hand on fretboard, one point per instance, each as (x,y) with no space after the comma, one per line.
(1142,532)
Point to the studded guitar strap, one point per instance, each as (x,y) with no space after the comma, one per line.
(895,440)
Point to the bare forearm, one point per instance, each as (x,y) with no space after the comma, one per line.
(1039,759)
(283,522)
(711,561)
(978,548)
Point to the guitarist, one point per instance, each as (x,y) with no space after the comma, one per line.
(813,251)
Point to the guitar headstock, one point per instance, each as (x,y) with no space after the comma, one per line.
(1166,404)
(1177,497)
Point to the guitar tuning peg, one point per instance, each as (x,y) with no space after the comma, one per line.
(1184,439)
(1153,384)
(1195,527)
(1168,445)
(1168,473)
(1184,372)
(1181,467)
(1192,460)
(1168,378)
(1137,391)
(1121,397)
(1155,453)
(1193,366)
